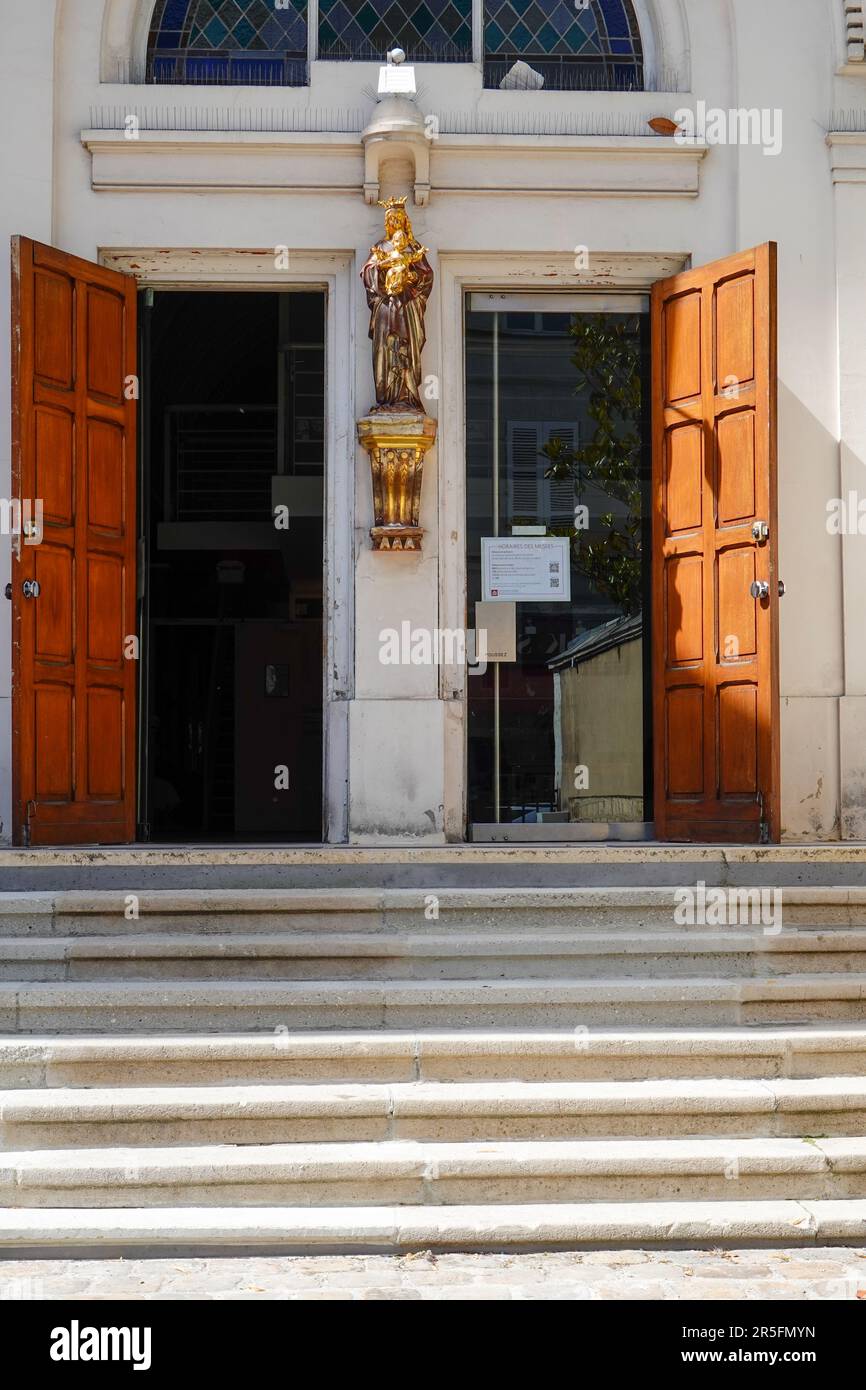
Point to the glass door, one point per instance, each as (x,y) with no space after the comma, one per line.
(558,473)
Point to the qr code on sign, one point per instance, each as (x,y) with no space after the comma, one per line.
(554,567)
(554,583)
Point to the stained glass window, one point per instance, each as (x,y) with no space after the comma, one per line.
(568,43)
(432,31)
(228,41)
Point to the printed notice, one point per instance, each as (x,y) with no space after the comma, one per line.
(525,570)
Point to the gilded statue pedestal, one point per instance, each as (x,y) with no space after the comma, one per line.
(396,442)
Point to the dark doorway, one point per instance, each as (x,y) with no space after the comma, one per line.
(232,540)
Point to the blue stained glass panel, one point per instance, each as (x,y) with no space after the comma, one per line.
(244,34)
(175,13)
(618,21)
(228,41)
(427,30)
(215,32)
(594,47)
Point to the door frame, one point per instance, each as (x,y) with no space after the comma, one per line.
(505,273)
(332,272)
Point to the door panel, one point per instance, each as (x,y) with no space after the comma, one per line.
(715,647)
(74,451)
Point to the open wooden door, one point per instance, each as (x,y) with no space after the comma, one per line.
(715,575)
(73,587)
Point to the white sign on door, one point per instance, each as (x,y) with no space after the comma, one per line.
(525,570)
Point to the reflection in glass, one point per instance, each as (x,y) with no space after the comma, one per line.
(557,442)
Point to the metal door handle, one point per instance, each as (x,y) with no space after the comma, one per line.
(760,530)
(30,588)
(759,588)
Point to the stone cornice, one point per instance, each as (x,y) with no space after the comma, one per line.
(848,155)
(333,162)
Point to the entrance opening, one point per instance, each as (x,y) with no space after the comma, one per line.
(558,474)
(231,554)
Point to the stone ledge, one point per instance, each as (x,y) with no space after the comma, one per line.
(468,1227)
(478,1157)
(324,901)
(429,1099)
(134,856)
(333,162)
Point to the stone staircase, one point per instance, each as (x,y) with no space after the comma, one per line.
(471,1068)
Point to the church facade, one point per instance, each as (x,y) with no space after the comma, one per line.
(425,423)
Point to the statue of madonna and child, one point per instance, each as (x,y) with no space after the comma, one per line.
(397,432)
(398,281)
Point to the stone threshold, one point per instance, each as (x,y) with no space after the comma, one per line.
(132,856)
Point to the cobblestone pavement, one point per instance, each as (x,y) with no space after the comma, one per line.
(602,1275)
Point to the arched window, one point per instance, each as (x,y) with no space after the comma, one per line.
(428,31)
(568,43)
(228,41)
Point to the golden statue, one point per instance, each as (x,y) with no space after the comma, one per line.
(398,281)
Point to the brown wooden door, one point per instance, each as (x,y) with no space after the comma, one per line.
(74,670)
(715,646)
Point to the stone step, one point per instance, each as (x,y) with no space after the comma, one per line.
(447,1111)
(118,1231)
(493,909)
(204,1005)
(437,1174)
(329,867)
(539,954)
(570,1055)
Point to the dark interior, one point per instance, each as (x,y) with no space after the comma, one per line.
(232,528)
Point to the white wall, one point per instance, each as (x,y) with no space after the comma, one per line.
(786,51)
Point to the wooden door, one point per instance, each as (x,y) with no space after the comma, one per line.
(715,644)
(73,590)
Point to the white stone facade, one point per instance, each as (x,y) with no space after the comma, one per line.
(201,198)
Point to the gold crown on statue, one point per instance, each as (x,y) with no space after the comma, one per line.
(398,205)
